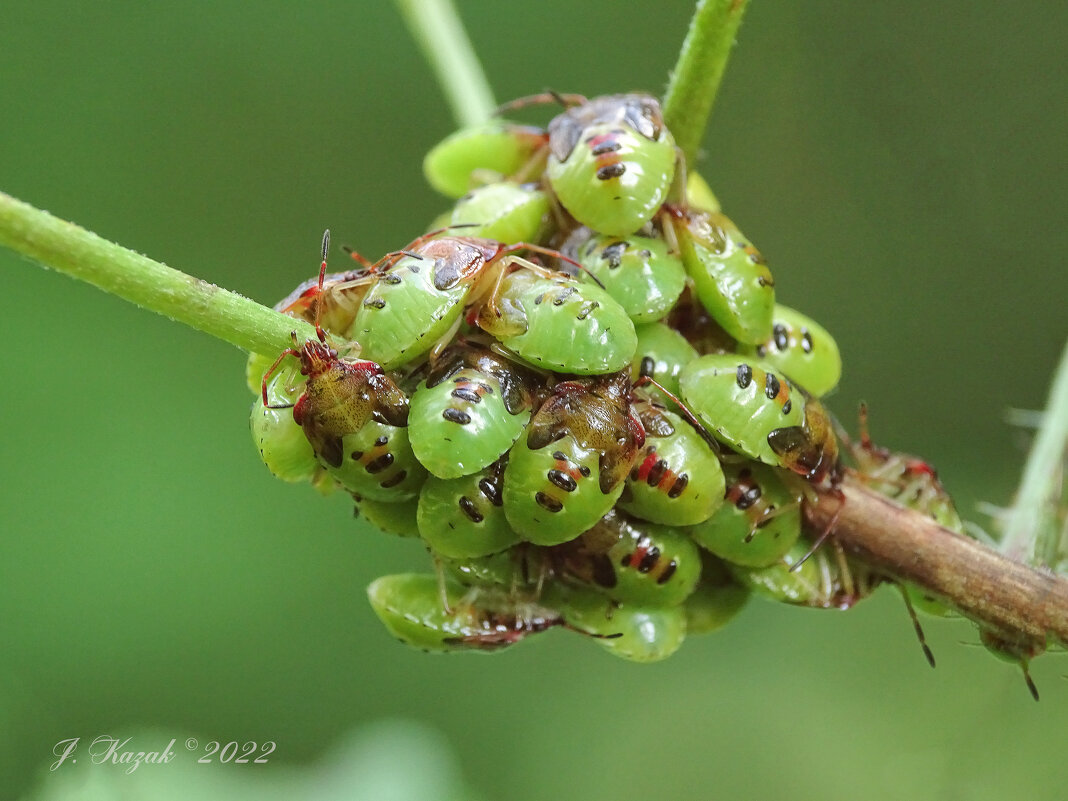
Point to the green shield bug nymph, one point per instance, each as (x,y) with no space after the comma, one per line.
(281,442)
(1017,648)
(411,607)
(746,405)
(730,276)
(492,150)
(660,355)
(559,323)
(637,271)
(330,301)
(699,194)
(518,570)
(911,482)
(255,368)
(473,405)
(822,581)
(568,470)
(676,479)
(378,464)
(464,517)
(760,520)
(717,599)
(630,631)
(350,411)
(692,321)
(907,479)
(417,299)
(802,349)
(507,212)
(418,294)
(632,561)
(355,418)
(398,519)
(611,162)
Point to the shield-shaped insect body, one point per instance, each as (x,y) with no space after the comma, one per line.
(747,405)
(612,161)
(470,409)
(560,324)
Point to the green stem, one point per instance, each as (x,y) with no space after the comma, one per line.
(1032,531)
(72,250)
(695,80)
(436,27)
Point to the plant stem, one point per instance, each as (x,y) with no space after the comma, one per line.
(72,250)
(1031,530)
(695,80)
(436,27)
(990,589)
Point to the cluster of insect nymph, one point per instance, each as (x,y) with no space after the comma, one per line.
(579,391)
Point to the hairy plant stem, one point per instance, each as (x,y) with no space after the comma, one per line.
(994,591)
(1031,531)
(67,248)
(695,80)
(436,28)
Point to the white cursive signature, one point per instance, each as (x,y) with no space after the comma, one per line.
(111,749)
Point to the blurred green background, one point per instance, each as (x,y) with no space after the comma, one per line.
(903,168)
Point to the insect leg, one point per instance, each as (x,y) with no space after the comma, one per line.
(270,372)
(916,625)
(542,99)
(439,572)
(768,516)
(827,532)
(356,257)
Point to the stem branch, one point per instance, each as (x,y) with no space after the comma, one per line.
(985,586)
(695,80)
(436,27)
(72,250)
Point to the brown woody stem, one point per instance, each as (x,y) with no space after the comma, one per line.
(983,585)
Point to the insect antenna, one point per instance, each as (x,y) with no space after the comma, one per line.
(322,277)
(863,434)
(843,435)
(690,417)
(542,99)
(556,254)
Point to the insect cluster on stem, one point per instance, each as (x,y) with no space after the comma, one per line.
(578,390)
